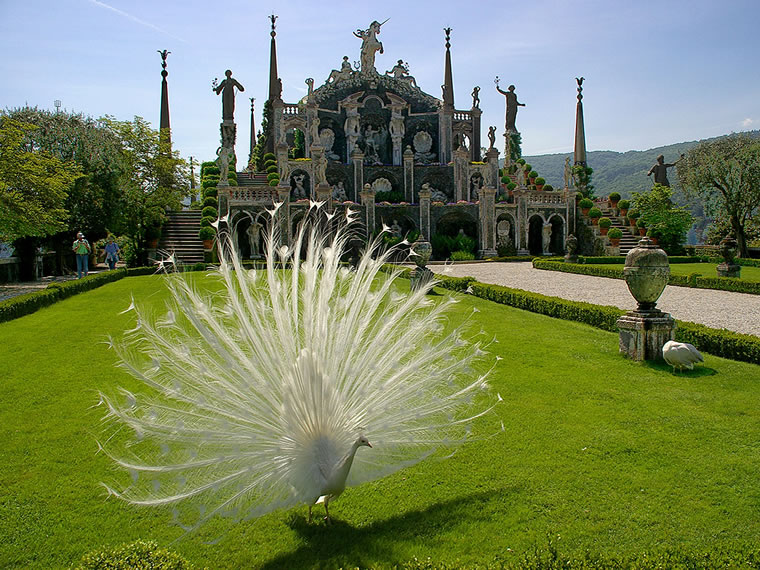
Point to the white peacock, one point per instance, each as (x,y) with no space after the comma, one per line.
(261,391)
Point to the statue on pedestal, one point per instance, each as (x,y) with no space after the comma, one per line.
(401,71)
(491,137)
(476,98)
(660,170)
(227,90)
(254,238)
(370,45)
(512,105)
(345,72)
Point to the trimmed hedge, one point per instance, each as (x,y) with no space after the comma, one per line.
(720,342)
(692,280)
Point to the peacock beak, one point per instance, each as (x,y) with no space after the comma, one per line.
(369,444)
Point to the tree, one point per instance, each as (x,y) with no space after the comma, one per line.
(33,185)
(666,220)
(156,180)
(725,175)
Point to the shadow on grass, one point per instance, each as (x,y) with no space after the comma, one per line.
(699,370)
(342,545)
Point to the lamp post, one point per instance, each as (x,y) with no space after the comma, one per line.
(57,104)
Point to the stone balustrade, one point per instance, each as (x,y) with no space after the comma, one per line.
(462,116)
(541,197)
(290,109)
(252,195)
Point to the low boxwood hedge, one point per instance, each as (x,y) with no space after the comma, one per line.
(141,554)
(692,280)
(720,342)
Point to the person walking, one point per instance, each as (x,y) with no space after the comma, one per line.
(81,247)
(112,253)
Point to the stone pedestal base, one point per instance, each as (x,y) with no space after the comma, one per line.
(571,258)
(643,334)
(729,270)
(486,253)
(323,192)
(419,278)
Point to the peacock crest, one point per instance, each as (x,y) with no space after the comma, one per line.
(260,389)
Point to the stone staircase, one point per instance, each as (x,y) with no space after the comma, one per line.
(180,236)
(629,240)
(246,179)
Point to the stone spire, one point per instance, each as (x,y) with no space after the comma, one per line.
(448,82)
(275,87)
(253,136)
(580,132)
(164,129)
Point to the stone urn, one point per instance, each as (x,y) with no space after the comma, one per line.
(729,267)
(421,276)
(646,273)
(571,245)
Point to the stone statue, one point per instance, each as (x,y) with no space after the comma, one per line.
(227,89)
(476,99)
(435,195)
(395,229)
(352,128)
(397,128)
(321,170)
(423,142)
(568,173)
(371,140)
(339,192)
(254,238)
(571,245)
(370,45)
(314,130)
(491,137)
(660,170)
(327,140)
(512,105)
(401,71)
(224,155)
(546,238)
(345,71)
(310,84)
(299,191)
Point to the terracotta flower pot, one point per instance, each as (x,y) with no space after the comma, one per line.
(615,242)
(624,212)
(613,203)
(603,231)
(585,211)
(208,244)
(595,221)
(632,221)
(539,186)
(642,232)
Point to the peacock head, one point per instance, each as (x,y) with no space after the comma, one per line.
(363,441)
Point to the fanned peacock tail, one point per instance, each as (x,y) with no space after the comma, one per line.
(260,384)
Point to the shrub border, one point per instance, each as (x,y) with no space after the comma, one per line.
(720,342)
(695,280)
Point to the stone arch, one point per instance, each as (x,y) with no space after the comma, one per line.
(535,234)
(557,243)
(474,185)
(250,247)
(338,149)
(506,234)
(438,181)
(396,186)
(450,224)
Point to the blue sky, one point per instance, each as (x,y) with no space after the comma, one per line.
(656,72)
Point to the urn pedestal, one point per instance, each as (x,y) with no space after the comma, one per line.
(729,267)
(420,276)
(643,332)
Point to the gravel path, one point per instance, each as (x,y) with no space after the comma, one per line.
(738,312)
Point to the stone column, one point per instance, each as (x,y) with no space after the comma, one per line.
(475,146)
(487,212)
(283,196)
(445,122)
(277,106)
(492,165)
(357,158)
(425,195)
(522,222)
(281,151)
(461,173)
(368,201)
(409,174)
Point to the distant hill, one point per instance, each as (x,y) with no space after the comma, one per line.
(622,172)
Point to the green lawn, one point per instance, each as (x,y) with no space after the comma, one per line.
(599,453)
(704,269)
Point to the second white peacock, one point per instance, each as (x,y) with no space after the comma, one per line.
(260,388)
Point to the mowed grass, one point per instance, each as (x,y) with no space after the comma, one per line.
(748,273)
(599,454)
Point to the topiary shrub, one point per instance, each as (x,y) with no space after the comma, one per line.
(586,203)
(206,233)
(505,180)
(211,201)
(269,156)
(614,233)
(624,204)
(604,222)
(209,212)
(210,192)
(138,555)
(594,213)
(207,221)
(540,181)
(272,168)
(272,176)
(274,182)
(533,174)
(614,197)
(462,256)
(547,187)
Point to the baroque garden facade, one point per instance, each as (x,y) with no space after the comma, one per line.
(405,159)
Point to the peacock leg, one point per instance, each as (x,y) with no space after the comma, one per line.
(327,518)
(308,520)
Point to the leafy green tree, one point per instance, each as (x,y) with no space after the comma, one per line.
(725,175)
(663,217)
(33,185)
(156,180)
(582,180)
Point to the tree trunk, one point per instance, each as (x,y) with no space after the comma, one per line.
(741,240)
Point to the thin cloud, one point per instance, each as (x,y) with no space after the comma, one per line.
(747,123)
(135,19)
